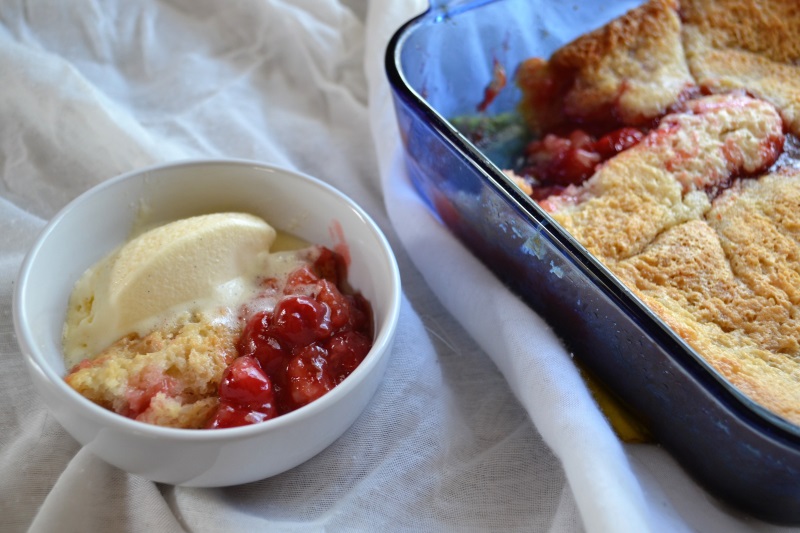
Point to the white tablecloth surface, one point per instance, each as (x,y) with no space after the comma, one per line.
(480,424)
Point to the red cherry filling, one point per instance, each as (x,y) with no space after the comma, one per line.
(561,161)
(345,351)
(331,266)
(308,375)
(246,395)
(299,278)
(314,338)
(301,320)
(336,303)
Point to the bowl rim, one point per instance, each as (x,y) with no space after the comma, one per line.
(106,418)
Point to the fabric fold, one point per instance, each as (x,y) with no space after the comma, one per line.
(482,422)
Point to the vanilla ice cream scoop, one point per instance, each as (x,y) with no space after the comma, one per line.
(190,263)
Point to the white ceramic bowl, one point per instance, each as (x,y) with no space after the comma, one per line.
(101,219)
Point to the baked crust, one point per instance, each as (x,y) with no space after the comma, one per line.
(722,283)
(626,72)
(768,29)
(662,181)
(701,218)
(169,377)
(746,44)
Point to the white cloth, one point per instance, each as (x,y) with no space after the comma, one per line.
(480,425)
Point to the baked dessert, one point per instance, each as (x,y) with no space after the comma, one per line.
(211,327)
(666,143)
(168,377)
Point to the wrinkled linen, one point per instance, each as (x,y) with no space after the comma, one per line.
(482,422)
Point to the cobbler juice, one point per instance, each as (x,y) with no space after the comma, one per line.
(314,337)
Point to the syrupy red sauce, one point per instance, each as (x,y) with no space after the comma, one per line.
(496,85)
(316,335)
(573,147)
(558,162)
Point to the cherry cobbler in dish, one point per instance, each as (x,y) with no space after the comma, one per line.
(666,142)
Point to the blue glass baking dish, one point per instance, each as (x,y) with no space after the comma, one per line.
(438,65)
